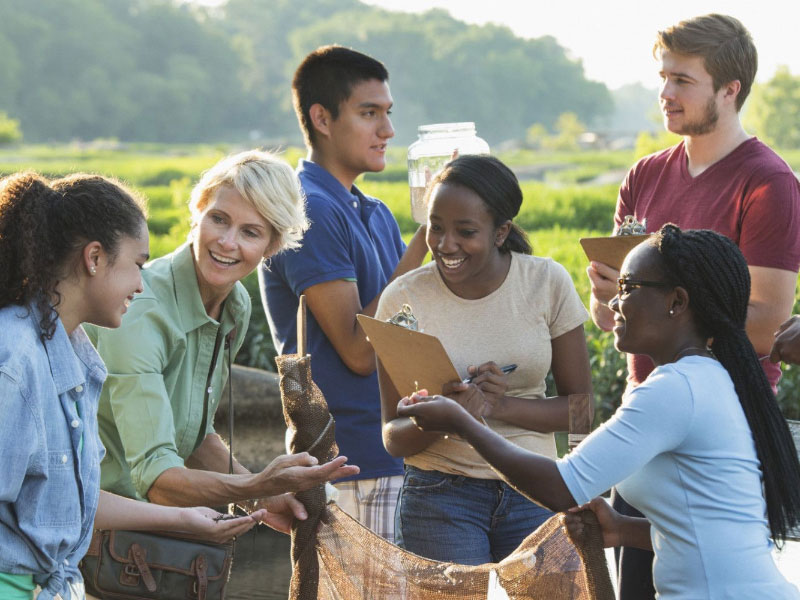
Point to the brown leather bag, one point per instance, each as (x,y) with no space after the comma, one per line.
(147,565)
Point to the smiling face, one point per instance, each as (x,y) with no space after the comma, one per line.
(357,138)
(464,241)
(688,101)
(230,239)
(641,314)
(116,280)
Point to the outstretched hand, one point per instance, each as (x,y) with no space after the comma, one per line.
(300,472)
(432,413)
(208,524)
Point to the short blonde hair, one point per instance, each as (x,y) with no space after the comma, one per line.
(268,183)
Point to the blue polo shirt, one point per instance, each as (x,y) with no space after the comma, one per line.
(353,237)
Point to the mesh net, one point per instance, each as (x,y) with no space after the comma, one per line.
(336,558)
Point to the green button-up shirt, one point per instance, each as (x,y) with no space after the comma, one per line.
(151,414)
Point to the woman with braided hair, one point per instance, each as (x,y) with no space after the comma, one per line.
(690,447)
(71,251)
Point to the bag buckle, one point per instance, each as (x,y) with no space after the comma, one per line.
(130,575)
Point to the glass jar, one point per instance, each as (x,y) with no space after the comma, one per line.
(431,152)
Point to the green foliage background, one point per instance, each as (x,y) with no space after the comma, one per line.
(556,212)
(162,70)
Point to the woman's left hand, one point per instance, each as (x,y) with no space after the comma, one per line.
(208,524)
(432,413)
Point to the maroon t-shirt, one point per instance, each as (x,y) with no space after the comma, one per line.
(751,196)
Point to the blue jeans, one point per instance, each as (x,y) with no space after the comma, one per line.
(460,519)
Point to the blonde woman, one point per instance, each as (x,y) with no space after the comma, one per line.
(169,361)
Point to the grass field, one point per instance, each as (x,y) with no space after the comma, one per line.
(556,212)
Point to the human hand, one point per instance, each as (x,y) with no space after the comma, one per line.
(281,511)
(469,396)
(603,279)
(299,472)
(786,347)
(492,382)
(610,522)
(208,524)
(432,413)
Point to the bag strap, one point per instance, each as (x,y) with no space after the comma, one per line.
(139,557)
(228,340)
(227,350)
(302,341)
(201,572)
(207,391)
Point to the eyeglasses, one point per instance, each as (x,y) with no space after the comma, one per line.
(626,286)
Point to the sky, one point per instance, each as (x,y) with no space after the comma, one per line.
(614,38)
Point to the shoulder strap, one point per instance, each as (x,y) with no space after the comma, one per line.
(302,341)
(228,344)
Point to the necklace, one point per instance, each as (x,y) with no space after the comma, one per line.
(683,352)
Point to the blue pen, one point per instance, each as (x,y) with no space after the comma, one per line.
(507,369)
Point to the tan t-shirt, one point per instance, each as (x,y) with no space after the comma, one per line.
(514,324)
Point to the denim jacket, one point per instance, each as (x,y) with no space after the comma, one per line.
(48,488)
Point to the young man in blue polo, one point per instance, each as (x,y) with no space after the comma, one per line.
(351,251)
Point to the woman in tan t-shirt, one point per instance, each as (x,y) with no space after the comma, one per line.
(492,304)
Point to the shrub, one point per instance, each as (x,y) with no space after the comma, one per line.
(10,132)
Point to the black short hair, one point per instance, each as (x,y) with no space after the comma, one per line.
(326,77)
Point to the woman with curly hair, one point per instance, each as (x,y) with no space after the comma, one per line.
(700,447)
(71,251)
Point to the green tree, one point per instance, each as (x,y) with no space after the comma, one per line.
(536,136)
(9,130)
(445,70)
(172,70)
(568,131)
(773,110)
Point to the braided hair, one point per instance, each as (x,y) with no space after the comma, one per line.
(497,186)
(43,224)
(714,273)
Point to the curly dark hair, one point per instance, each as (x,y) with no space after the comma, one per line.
(714,273)
(42,226)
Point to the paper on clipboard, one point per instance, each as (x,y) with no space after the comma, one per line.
(611,250)
(412,359)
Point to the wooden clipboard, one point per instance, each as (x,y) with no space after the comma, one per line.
(611,250)
(412,359)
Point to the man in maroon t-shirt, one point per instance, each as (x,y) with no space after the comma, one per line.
(717,178)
